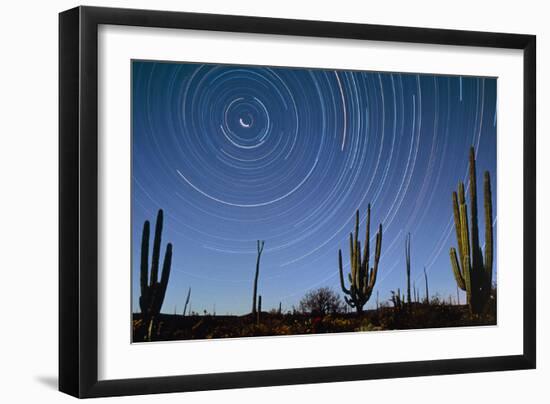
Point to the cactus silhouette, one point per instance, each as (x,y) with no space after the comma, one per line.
(362,278)
(426,283)
(187,301)
(260,248)
(408,265)
(153,291)
(259,312)
(473,272)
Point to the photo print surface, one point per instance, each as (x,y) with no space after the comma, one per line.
(274,201)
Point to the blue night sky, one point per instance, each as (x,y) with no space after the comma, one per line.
(234,154)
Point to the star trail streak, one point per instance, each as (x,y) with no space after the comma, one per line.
(234,154)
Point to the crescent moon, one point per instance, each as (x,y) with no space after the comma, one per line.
(244,124)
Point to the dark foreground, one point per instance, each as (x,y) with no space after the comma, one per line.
(176,327)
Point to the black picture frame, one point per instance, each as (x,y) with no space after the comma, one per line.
(78,201)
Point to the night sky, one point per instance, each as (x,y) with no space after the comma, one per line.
(234,154)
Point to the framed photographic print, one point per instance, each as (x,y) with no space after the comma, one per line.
(250,201)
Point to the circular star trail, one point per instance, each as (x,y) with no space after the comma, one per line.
(234,154)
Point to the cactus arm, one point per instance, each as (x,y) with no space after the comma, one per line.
(463,222)
(341,272)
(458,226)
(466,264)
(359,272)
(488,205)
(159,289)
(464,231)
(378,243)
(365,264)
(366,280)
(351,260)
(144,268)
(468,281)
(156,248)
(366,253)
(378,248)
(357,253)
(166,266)
(474,228)
(456,270)
(356,233)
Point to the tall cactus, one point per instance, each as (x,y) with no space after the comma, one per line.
(426,284)
(260,248)
(187,301)
(408,265)
(473,272)
(259,312)
(153,291)
(361,278)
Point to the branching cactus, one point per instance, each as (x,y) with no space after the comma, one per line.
(362,278)
(473,272)
(153,291)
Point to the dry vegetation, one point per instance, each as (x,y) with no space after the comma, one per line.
(418,315)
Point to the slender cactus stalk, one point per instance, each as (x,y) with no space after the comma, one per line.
(260,248)
(259,312)
(427,290)
(408,265)
(187,301)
